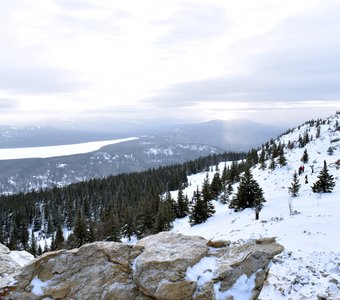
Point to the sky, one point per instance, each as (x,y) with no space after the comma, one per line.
(186,60)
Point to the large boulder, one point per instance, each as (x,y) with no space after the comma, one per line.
(100,270)
(164,266)
(12,261)
(161,268)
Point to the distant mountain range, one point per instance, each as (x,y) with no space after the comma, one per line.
(159,146)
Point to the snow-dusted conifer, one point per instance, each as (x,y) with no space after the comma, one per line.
(293,190)
(325,182)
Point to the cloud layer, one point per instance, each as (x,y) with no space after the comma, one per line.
(188,59)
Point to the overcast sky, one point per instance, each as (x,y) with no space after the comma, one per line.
(270,61)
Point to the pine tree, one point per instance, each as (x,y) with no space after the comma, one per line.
(317,132)
(59,238)
(224,173)
(182,204)
(112,227)
(207,196)
(39,251)
(33,246)
(224,198)
(249,195)
(293,190)
(233,174)
(91,235)
(206,189)
(305,157)
(24,236)
(52,242)
(145,218)
(46,248)
(227,190)
(165,216)
(197,212)
(262,159)
(282,158)
(306,138)
(80,231)
(330,150)
(275,150)
(325,182)
(129,220)
(216,186)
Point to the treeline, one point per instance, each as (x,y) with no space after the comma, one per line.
(103,209)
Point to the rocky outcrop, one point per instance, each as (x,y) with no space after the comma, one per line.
(160,269)
(164,266)
(11,261)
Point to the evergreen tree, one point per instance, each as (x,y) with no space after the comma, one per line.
(39,251)
(306,138)
(182,204)
(91,235)
(50,225)
(325,182)
(197,212)
(24,236)
(129,220)
(80,231)
(145,219)
(272,164)
(216,186)
(33,247)
(275,150)
(224,198)
(165,216)
(233,174)
(317,132)
(207,196)
(52,242)
(262,159)
(224,173)
(206,189)
(227,190)
(59,238)
(305,157)
(249,194)
(330,150)
(293,190)
(46,249)
(282,158)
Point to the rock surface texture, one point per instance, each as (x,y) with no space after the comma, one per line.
(11,261)
(164,266)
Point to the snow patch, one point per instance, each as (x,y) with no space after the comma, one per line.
(38,285)
(203,271)
(241,290)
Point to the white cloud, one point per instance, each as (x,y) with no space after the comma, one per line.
(65,57)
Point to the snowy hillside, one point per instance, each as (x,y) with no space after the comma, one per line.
(309,268)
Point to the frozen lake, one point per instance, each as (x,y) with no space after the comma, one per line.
(60,150)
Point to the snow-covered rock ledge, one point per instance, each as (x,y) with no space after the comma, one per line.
(11,262)
(163,266)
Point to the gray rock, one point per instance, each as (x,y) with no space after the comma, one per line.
(155,268)
(160,270)
(12,261)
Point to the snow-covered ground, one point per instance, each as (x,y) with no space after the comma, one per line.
(60,150)
(310,265)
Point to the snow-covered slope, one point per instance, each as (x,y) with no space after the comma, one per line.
(309,268)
